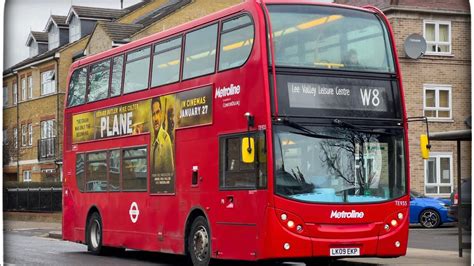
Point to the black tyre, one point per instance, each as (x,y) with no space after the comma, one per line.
(94,234)
(199,242)
(430,218)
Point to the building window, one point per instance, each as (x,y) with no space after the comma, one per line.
(53,37)
(437,101)
(48,84)
(15,93)
(15,137)
(23,89)
(30,134)
(74,29)
(26,176)
(5,136)
(33,49)
(5,96)
(47,129)
(439,173)
(30,87)
(438,37)
(23,135)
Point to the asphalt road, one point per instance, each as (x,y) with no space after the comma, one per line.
(32,247)
(443,238)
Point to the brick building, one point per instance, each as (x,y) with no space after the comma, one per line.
(34,89)
(438,85)
(34,92)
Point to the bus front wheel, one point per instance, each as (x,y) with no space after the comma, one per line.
(94,234)
(199,242)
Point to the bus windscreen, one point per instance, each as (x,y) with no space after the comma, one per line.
(325,37)
(339,164)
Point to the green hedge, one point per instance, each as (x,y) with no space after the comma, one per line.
(32,184)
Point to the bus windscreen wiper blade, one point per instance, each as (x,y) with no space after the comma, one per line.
(305,131)
(345,124)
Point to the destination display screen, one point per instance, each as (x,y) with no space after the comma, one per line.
(317,96)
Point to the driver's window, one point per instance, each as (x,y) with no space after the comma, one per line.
(234,173)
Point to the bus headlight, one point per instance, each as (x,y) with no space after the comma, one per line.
(394,223)
(290,221)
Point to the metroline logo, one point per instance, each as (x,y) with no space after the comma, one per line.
(347,215)
(227,91)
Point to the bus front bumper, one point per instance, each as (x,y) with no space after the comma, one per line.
(281,243)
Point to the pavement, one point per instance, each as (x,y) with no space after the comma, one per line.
(415,256)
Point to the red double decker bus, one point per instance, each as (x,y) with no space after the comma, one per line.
(269,130)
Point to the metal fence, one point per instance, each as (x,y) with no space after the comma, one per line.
(32,199)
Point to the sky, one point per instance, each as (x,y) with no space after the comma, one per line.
(23,16)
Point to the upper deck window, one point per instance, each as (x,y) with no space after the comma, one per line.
(329,38)
(117,73)
(166,62)
(136,70)
(200,52)
(236,42)
(77,87)
(99,81)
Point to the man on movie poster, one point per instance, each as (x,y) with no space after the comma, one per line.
(162,164)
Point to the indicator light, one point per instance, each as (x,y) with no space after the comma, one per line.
(291,224)
(299,228)
(286,246)
(400,215)
(397,244)
(283,217)
(386,227)
(394,223)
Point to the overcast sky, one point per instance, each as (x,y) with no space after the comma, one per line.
(23,16)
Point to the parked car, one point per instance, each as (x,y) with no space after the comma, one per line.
(427,211)
(466,201)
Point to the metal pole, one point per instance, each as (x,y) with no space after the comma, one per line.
(459,198)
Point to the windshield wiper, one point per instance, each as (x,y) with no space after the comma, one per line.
(305,131)
(345,124)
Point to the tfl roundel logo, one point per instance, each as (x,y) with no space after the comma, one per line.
(134,212)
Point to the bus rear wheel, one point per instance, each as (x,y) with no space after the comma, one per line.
(199,242)
(94,234)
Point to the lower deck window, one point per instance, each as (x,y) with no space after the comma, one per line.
(114,170)
(135,169)
(96,174)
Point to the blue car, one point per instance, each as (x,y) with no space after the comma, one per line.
(429,212)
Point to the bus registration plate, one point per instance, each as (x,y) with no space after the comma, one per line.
(344,252)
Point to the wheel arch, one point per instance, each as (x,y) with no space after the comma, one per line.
(192,215)
(92,209)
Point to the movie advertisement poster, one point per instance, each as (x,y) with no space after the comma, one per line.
(171,112)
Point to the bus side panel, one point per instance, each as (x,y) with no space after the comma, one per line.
(69,199)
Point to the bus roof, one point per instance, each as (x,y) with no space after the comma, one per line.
(195,24)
